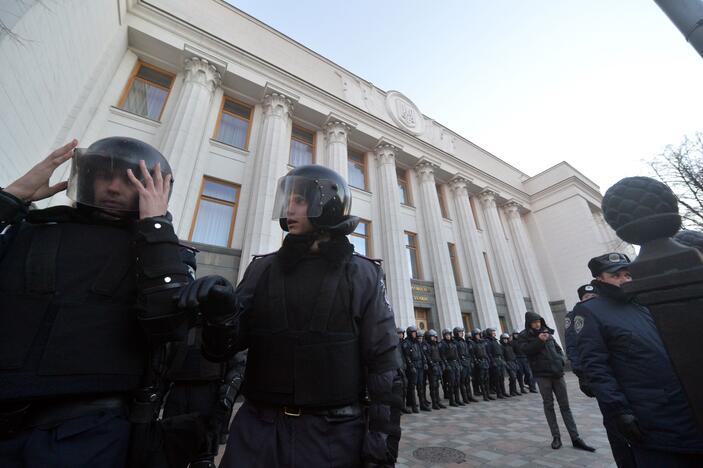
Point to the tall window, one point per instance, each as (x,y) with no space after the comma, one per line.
(468,321)
(455,264)
(403,186)
(216,213)
(234,123)
(302,147)
(356,163)
(442,202)
(503,323)
(147,91)
(413,257)
(488,270)
(361,238)
(472,202)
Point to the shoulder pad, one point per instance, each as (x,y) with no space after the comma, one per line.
(188,247)
(258,256)
(377,261)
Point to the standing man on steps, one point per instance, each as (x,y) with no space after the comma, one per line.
(547,363)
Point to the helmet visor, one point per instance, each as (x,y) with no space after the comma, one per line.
(100,180)
(302,196)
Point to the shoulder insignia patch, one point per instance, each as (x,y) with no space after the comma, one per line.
(567,323)
(578,323)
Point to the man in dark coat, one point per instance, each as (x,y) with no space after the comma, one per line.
(547,364)
(402,370)
(466,361)
(435,368)
(482,364)
(415,370)
(510,363)
(321,337)
(524,372)
(629,371)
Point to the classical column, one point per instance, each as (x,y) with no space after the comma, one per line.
(336,135)
(184,136)
(442,275)
(262,234)
(528,261)
(511,284)
(395,259)
(480,282)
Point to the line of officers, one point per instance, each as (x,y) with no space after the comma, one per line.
(464,366)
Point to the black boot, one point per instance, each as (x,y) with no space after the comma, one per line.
(487,391)
(581,445)
(411,400)
(452,400)
(435,397)
(556,443)
(464,396)
(457,395)
(468,393)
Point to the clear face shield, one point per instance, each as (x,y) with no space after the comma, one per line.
(100,180)
(299,196)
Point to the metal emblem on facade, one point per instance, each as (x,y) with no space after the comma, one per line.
(404,113)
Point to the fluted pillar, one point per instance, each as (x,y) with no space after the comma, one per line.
(511,284)
(528,262)
(395,262)
(336,139)
(184,136)
(262,234)
(480,282)
(444,286)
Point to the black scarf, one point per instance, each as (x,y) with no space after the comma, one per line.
(336,251)
(613,292)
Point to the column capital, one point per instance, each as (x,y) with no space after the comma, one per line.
(337,128)
(386,151)
(487,195)
(202,72)
(425,170)
(277,104)
(459,185)
(512,208)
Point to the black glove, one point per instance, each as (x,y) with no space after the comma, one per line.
(628,427)
(213,295)
(586,388)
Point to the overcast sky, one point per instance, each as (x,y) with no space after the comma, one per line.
(602,84)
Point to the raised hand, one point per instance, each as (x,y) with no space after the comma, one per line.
(34,185)
(153,193)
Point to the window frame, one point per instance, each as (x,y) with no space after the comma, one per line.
(201,197)
(443,208)
(133,76)
(416,252)
(219,121)
(406,182)
(454,260)
(314,142)
(365,158)
(369,241)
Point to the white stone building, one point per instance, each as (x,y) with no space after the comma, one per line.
(233,104)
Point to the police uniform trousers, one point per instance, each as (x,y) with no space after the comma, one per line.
(265,437)
(99,440)
(527,373)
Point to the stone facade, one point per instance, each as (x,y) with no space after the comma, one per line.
(513,236)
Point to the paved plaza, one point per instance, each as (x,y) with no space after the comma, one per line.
(509,433)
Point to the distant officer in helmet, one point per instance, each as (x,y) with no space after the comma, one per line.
(435,368)
(466,358)
(415,363)
(511,365)
(521,364)
(452,369)
(497,360)
(424,345)
(321,335)
(93,285)
(402,370)
(482,364)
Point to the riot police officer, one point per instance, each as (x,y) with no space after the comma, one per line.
(424,345)
(435,368)
(402,370)
(415,364)
(452,369)
(94,284)
(511,365)
(320,334)
(497,363)
(466,358)
(482,364)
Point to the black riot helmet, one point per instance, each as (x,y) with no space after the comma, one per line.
(326,194)
(432,334)
(446,332)
(399,331)
(476,331)
(457,330)
(504,336)
(488,332)
(409,330)
(107,161)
